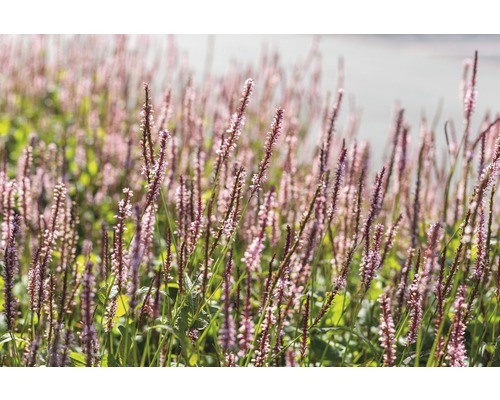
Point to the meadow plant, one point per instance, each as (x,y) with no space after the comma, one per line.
(148,219)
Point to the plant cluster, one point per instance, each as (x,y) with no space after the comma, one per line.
(234,221)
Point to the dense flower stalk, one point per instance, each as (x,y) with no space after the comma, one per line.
(147,124)
(136,254)
(58,347)
(8,212)
(253,253)
(25,193)
(371,260)
(456,352)
(31,355)
(105,253)
(90,342)
(387,331)
(415,304)
(232,208)
(43,255)
(481,263)
(119,257)
(10,269)
(264,342)
(403,156)
(305,320)
(110,312)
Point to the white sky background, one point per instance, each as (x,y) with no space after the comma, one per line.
(417,72)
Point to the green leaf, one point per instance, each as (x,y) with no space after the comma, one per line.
(78,359)
(121,310)
(8,338)
(108,360)
(322,349)
(161,327)
(497,349)
(193,359)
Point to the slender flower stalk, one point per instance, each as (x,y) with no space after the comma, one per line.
(182,207)
(181,266)
(327,140)
(339,172)
(196,226)
(390,237)
(415,216)
(234,131)
(339,284)
(397,132)
(415,304)
(157,173)
(105,253)
(246,329)
(471,92)
(272,137)
(149,308)
(305,319)
(227,332)
(375,206)
(403,283)
(166,110)
(232,209)
(168,259)
(440,306)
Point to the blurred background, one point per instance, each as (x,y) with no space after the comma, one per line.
(421,72)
